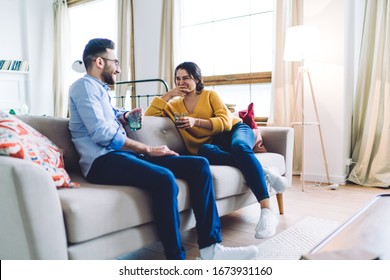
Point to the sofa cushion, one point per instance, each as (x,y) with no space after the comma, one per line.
(248,116)
(229,181)
(272,160)
(158,131)
(19,140)
(95,210)
(57,130)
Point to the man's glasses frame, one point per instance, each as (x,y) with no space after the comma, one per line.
(116,61)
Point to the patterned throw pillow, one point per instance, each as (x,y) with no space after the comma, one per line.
(19,140)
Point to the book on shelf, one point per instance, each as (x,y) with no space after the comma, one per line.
(14,65)
(5,64)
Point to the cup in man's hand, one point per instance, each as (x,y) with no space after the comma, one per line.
(135,120)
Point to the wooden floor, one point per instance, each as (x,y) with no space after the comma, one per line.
(315,201)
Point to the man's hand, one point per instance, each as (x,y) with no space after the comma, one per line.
(160,151)
(136,111)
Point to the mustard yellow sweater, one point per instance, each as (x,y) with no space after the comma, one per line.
(209,106)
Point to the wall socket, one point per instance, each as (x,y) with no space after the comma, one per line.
(348,161)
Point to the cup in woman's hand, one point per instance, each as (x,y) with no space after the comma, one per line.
(178,116)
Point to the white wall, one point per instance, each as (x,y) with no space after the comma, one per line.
(27,34)
(327,72)
(333,75)
(147,22)
(13,25)
(13,85)
(40,40)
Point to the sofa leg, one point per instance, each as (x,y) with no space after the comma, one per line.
(279,198)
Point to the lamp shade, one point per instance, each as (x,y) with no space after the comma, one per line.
(78,66)
(302,42)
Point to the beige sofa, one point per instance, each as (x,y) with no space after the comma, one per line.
(104,222)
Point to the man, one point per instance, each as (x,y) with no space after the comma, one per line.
(108,156)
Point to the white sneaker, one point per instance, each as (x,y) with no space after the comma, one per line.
(266,227)
(220,252)
(278,182)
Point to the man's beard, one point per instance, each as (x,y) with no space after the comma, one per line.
(107,78)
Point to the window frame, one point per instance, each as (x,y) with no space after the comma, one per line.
(237,79)
(72,3)
(241,79)
(249,78)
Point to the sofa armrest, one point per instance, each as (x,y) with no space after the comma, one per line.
(32,224)
(280,140)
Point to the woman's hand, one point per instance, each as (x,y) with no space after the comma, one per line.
(177,91)
(186,122)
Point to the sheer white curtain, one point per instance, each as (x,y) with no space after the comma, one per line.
(125,48)
(371,113)
(170,40)
(61,58)
(286,13)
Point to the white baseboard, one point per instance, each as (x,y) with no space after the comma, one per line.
(341,180)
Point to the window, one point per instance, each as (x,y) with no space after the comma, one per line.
(231,41)
(96,19)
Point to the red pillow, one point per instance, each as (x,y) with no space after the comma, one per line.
(19,140)
(248,117)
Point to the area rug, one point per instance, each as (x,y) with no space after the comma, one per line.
(297,240)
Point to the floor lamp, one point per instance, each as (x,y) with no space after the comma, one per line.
(302,41)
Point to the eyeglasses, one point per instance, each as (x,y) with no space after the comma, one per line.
(116,61)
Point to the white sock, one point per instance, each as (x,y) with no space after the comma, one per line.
(207,253)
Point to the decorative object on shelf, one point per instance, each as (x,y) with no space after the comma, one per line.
(24,109)
(302,42)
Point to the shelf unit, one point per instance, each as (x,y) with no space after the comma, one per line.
(14,72)
(14,91)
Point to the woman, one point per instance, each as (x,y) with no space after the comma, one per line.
(210,130)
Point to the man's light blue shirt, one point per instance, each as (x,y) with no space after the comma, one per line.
(93,121)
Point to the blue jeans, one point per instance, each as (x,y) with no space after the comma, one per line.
(157,175)
(234,148)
